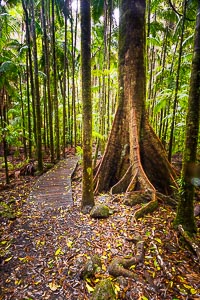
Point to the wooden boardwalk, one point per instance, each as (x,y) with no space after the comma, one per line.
(53,189)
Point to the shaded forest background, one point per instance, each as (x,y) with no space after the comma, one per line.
(40,91)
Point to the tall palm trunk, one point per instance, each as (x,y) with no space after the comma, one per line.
(33,93)
(65,94)
(23,117)
(47,71)
(73,51)
(87,185)
(55,85)
(3,114)
(177,84)
(29,110)
(37,92)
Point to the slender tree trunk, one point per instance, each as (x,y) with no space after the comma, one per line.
(45,109)
(167,110)
(185,211)
(57,125)
(109,56)
(3,125)
(73,50)
(65,83)
(37,92)
(33,93)
(64,90)
(47,71)
(177,84)
(23,117)
(87,184)
(29,110)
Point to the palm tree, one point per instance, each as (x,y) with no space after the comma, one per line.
(87,185)
(37,92)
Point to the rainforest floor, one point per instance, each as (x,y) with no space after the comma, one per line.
(43,251)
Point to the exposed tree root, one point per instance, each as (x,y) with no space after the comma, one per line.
(119,266)
(137,197)
(134,182)
(167,199)
(148,208)
(123,183)
(141,166)
(190,241)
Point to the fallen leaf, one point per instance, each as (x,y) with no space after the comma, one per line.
(89,288)
(58,252)
(69,244)
(8,259)
(53,286)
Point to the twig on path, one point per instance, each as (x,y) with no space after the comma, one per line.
(190,241)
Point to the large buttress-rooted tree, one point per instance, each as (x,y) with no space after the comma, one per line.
(134,158)
(87,182)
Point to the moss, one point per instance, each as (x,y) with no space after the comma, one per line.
(185,210)
(148,208)
(92,266)
(100,211)
(104,291)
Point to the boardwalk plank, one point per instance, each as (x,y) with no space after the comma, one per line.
(53,189)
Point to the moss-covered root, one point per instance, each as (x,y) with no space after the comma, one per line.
(137,197)
(104,291)
(190,241)
(91,267)
(148,208)
(119,266)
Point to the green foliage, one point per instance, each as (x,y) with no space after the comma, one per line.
(97,9)
(79,151)
(162,57)
(96,134)
(10,166)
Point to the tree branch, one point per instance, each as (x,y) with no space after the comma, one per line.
(178,13)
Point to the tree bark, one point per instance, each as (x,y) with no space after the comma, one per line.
(47,71)
(55,86)
(30,69)
(134,157)
(185,211)
(87,182)
(175,102)
(37,92)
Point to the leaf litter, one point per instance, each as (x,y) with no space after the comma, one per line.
(44,250)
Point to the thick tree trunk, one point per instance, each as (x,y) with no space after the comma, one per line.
(134,158)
